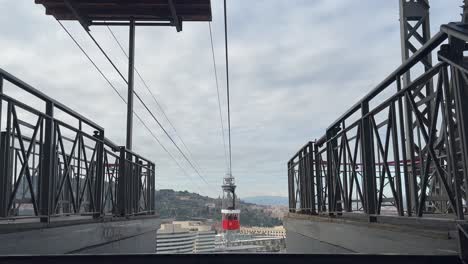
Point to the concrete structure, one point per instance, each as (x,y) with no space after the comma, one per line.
(267,244)
(172,239)
(78,234)
(205,239)
(354,234)
(277,231)
(185,237)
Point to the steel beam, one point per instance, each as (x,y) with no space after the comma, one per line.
(463,241)
(414,18)
(1,100)
(144,24)
(312,177)
(74,9)
(301,181)
(99,184)
(175,18)
(368,160)
(451,143)
(47,166)
(33,91)
(460,90)
(4,179)
(290,188)
(5,173)
(318,175)
(122,183)
(410,12)
(131,72)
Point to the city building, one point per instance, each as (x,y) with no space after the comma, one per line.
(173,239)
(205,239)
(277,231)
(185,237)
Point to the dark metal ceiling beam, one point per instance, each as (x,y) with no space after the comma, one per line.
(176,21)
(74,9)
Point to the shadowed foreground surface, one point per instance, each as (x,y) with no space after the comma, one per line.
(236,258)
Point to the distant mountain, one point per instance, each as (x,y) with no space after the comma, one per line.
(267,200)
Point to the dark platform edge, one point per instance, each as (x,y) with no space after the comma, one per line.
(231,258)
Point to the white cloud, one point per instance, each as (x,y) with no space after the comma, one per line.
(295,66)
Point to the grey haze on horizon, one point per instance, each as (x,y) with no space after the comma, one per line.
(296,65)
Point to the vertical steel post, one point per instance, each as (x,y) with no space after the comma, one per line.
(312,176)
(345,172)
(396,158)
(122,182)
(136,184)
(47,167)
(78,169)
(291,187)
(5,174)
(404,150)
(462,229)
(149,186)
(1,100)
(301,181)
(452,162)
(153,188)
(368,160)
(318,173)
(413,11)
(331,171)
(328,180)
(130,174)
(306,180)
(460,90)
(131,71)
(99,185)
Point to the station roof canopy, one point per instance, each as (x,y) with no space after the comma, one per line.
(90,11)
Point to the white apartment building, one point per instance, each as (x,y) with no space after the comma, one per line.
(185,237)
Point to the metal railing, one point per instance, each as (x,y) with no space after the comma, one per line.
(399,150)
(54,161)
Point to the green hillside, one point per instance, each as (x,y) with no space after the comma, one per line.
(183,205)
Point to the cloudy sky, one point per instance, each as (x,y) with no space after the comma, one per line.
(295,66)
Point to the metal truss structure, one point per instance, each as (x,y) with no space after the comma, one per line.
(402,150)
(54,161)
(362,163)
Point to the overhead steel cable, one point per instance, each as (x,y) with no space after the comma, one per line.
(125,101)
(227,84)
(219,98)
(154,98)
(146,107)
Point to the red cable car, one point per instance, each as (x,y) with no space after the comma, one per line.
(230,219)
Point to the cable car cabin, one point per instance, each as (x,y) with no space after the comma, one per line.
(231,219)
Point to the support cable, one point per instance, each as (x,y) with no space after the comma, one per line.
(146,107)
(145,84)
(227,85)
(123,99)
(219,98)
